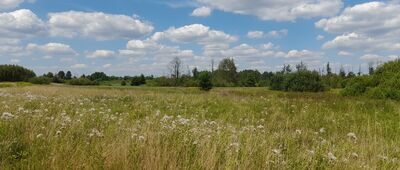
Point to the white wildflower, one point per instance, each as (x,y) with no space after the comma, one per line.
(331,157)
(260,127)
(277,151)
(96,133)
(298,131)
(354,155)
(39,135)
(322,130)
(7,116)
(58,133)
(141,138)
(352,136)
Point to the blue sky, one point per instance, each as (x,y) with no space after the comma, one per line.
(128,37)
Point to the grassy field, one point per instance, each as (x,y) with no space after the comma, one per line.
(64,127)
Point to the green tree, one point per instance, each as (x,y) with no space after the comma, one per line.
(328,69)
(15,73)
(205,81)
(226,74)
(249,78)
(61,74)
(68,76)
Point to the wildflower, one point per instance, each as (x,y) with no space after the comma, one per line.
(354,155)
(331,157)
(260,127)
(322,130)
(7,116)
(58,133)
(39,135)
(311,152)
(352,136)
(298,132)
(141,138)
(235,146)
(95,132)
(277,151)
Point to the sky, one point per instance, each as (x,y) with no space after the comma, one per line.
(130,37)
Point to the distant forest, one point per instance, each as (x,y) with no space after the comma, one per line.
(381,82)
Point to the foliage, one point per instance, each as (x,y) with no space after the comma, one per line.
(14,73)
(249,78)
(299,81)
(98,76)
(82,82)
(226,74)
(138,80)
(205,83)
(40,80)
(123,83)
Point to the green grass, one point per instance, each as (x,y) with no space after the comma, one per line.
(14,84)
(66,127)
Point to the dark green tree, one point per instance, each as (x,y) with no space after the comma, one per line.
(68,76)
(61,74)
(205,83)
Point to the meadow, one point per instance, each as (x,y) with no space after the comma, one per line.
(65,127)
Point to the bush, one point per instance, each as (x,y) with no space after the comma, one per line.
(14,73)
(355,89)
(304,81)
(384,93)
(40,80)
(205,81)
(300,81)
(82,82)
(123,83)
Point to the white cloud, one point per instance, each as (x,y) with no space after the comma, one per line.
(197,33)
(344,53)
(101,54)
(9,4)
(202,12)
(320,37)
(107,66)
(304,54)
(371,26)
(278,10)
(51,49)
(79,66)
(255,34)
(21,23)
(97,25)
(15,60)
(371,57)
(270,34)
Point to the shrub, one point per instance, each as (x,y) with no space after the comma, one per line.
(205,81)
(40,80)
(384,93)
(300,81)
(82,82)
(123,83)
(15,73)
(304,81)
(355,89)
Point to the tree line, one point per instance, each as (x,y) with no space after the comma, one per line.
(382,81)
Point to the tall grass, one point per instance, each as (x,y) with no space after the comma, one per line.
(179,128)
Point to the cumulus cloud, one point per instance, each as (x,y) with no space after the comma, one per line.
(79,66)
(202,12)
(304,54)
(97,25)
(196,33)
(270,34)
(20,24)
(278,10)
(365,27)
(101,54)
(51,49)
(9,4)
